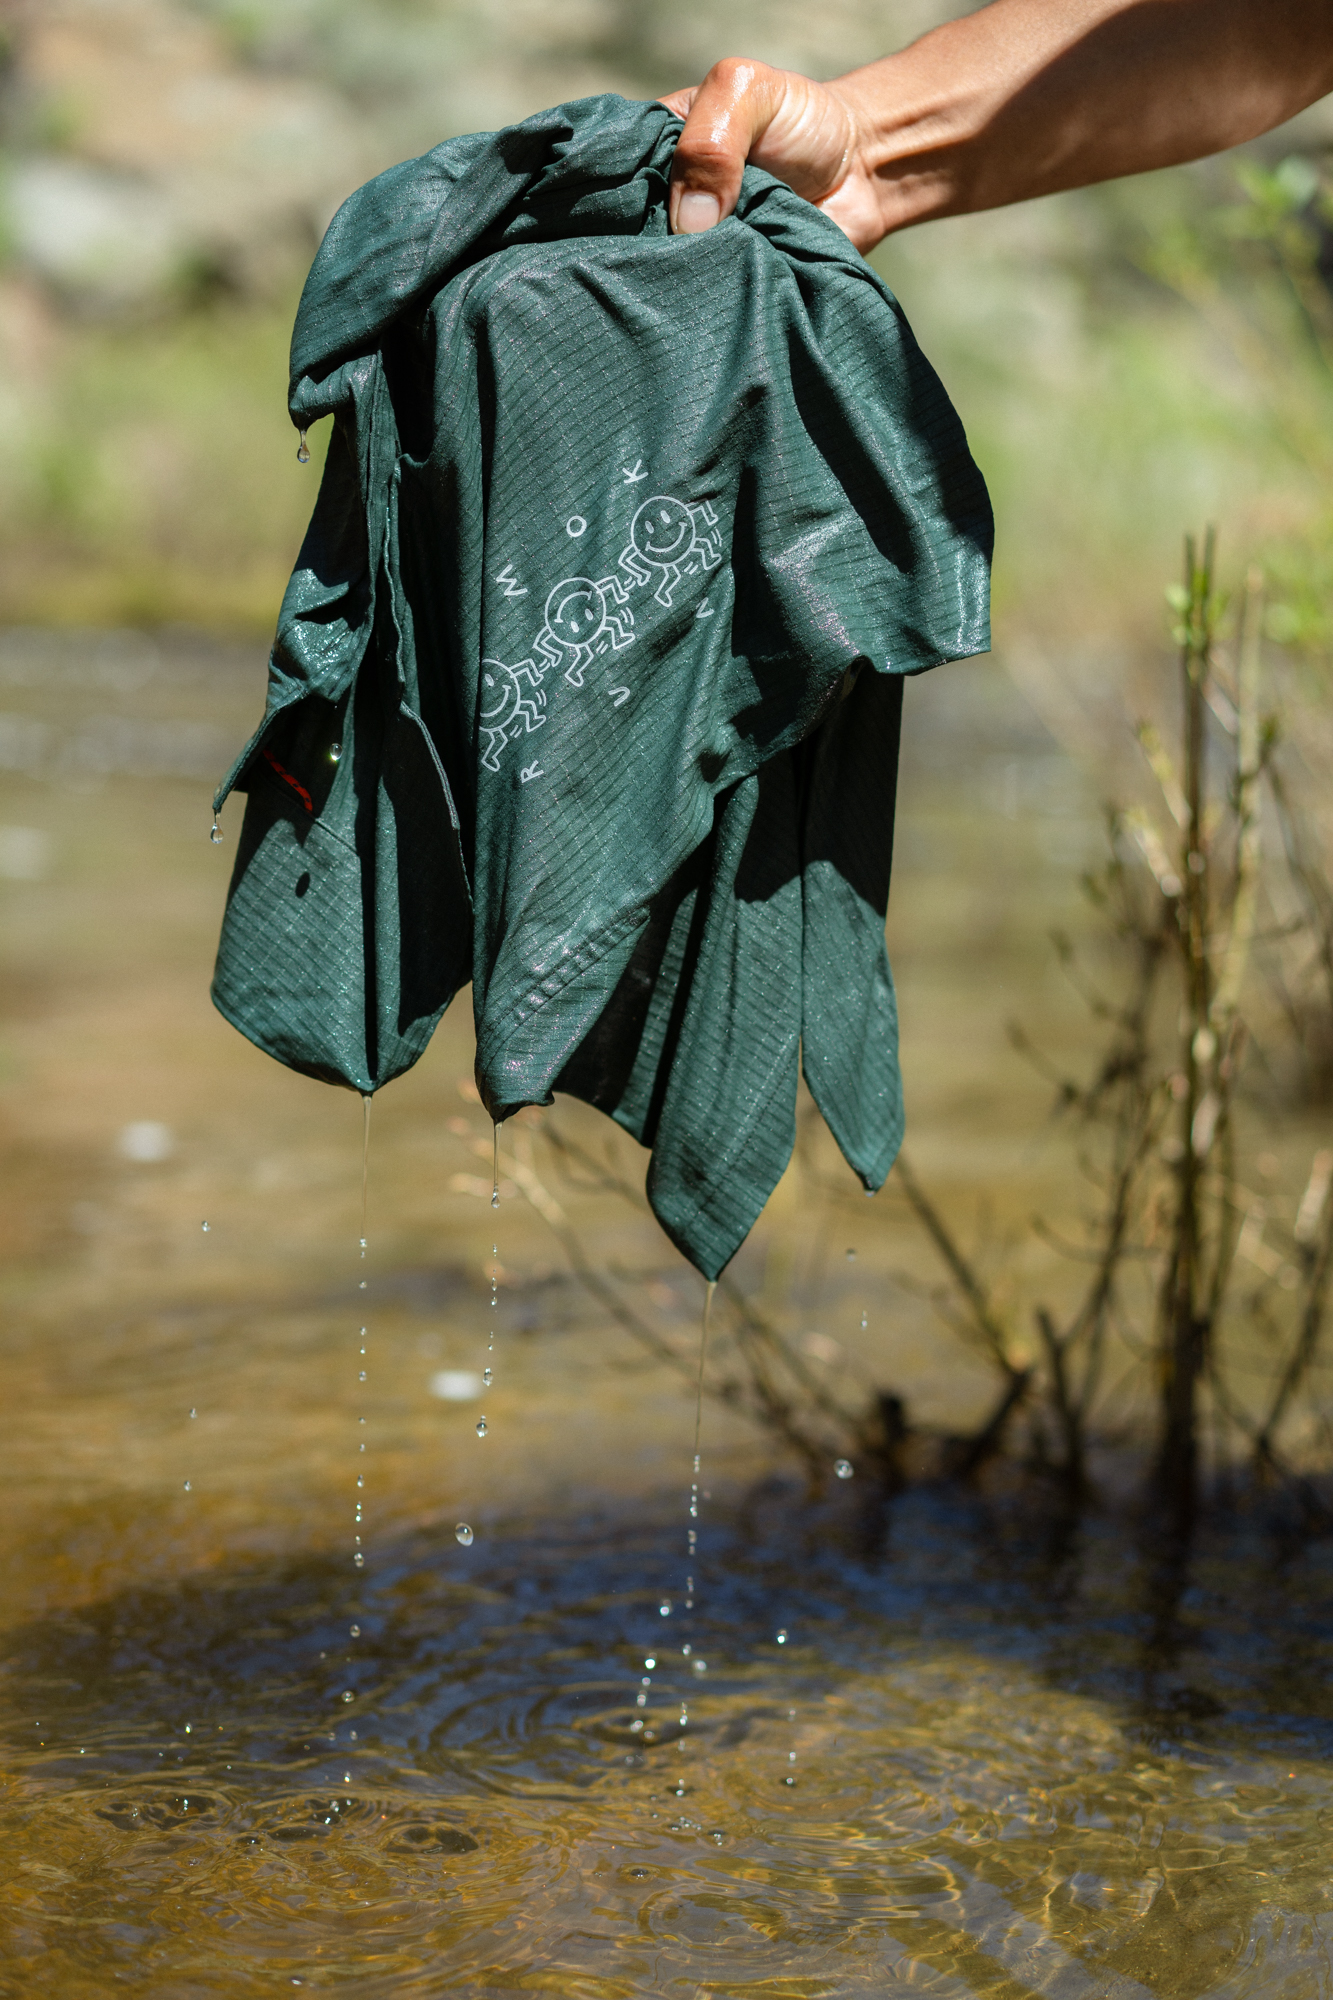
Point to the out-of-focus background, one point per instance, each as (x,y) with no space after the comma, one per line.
(169,166)
(207,1494)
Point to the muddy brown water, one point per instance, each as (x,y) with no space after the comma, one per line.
(954,1744)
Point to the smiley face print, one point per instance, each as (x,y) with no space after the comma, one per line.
(582,620)
(670,539)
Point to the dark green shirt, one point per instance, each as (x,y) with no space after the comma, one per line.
(587,683)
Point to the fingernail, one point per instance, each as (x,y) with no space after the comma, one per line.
(696,212)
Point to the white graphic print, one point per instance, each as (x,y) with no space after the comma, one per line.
(581,623)
(506,710)
(671,536)
(668,540)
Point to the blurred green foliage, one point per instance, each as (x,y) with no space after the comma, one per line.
(1126,359)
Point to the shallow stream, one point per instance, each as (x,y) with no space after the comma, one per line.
(955,1743)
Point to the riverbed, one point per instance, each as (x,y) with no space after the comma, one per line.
(956,1741)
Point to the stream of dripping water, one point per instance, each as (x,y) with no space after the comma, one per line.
(695,1663)
(462,1531)
(358,1556)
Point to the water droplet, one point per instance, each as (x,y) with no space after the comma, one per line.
(359,1560)
(204,1227)
(851,1256)
(789,1781)
(188,1728)
(356,1631)
(782,1636)
(360,1478)
(651,1661)
(362,1286)
(463,1534)
(495,1197)
(348,1695)
(641,1699)
(487,1376)
(844,1468)
(684,1715)
(187,1486)
(194,1413)
(362,1376)
(481,1427)
(215,832)
(347,1777)
(699,1666)
(686,1651)
(303,451)
(791,1756)
(664,1608)
(864,1322)
(335,752)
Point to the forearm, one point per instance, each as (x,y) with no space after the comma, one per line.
(1026,97)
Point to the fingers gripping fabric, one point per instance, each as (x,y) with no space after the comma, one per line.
(587,683)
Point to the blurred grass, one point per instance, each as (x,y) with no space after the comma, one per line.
(152,476)
(1128,361)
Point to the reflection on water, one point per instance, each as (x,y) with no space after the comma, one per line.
(990,1759)
(957,1744)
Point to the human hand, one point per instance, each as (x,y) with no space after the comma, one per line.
(805,133)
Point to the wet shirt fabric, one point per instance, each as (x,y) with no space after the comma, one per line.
(587,684)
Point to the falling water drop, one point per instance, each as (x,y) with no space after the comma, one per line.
(194,1413)
(650,1662)
(851,1256)
(844,1468)
(356,1631)
(187,1486)
(215,832)
(488,1376)
(481,1427)
(664,1608)
(303,451)
(699,1666)
(782,1636)
(463,1534)
(335,752)
(864,1322)
(365,1162)
(204,1227)
(495,1163)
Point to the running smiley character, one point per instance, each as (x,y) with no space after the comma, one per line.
(582,620)
(670,536)
(512,700)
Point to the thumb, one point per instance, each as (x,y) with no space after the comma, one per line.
(731,109)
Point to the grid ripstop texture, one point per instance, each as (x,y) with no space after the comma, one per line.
(761,368)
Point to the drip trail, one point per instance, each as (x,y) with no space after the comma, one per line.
(463,1533)
(358,1557)
(696,1663)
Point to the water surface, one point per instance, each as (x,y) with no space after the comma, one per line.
(998,1751)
